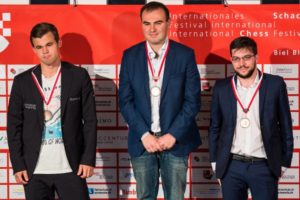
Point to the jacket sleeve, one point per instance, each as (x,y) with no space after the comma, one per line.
(89,121)
(192,102)
(126,100)
(285,123)
(215,124)
(15,127)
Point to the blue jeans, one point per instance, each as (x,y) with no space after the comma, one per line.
(149,166)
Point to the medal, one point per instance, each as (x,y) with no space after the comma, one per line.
(48,115)
(245,109)
(155,91)
(245,122)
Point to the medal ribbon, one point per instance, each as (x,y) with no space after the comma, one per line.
(161,65)
(245,110)
(40,88)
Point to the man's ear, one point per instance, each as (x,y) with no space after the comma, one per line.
(60,43)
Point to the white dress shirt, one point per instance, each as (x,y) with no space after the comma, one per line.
(155,100)
(248,141)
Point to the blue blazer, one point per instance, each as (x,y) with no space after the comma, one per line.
(180,98)
(275,122)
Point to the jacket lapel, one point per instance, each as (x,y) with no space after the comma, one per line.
(262,94)
(145,74)
(37,95)
(168,68)
(233,101)
(66,83)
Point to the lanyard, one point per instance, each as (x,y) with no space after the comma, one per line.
(245,109)
(155,78)
(41,90)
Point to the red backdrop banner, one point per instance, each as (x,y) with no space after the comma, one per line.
(94,37)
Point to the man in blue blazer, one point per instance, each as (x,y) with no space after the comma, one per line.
(51,123)
(159,97)
(250,134)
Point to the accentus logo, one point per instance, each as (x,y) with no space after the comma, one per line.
(4,32)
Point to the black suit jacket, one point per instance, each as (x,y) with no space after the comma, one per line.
(25,122)
(275,123)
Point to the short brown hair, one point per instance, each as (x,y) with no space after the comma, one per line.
(154,5)
(243,43)
(39,30)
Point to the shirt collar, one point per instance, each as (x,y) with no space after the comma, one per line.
(58,69)
(254,84)
(151,53)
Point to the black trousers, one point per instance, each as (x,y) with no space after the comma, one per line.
(256,176)
(68,186)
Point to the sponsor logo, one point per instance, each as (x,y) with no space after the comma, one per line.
(3,139)
(284,70)
(206,191)
(16,191)
(104,176)
(202,159)
(291,175)
(127,192)
(212,71)
(205,86)
(292,86)
(106,103)
(101,71)
(103,87)
(207,174)
(13,71)
(106,159)
(290,191)
(112,140)
(106,119)
(91,190)
(100,190)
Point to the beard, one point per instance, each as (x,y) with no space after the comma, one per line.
(248,75)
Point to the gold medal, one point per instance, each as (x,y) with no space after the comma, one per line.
(48,115)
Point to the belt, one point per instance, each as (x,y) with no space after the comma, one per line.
(156,134)
(248,159)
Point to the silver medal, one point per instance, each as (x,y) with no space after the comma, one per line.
(245,123)
(155,91)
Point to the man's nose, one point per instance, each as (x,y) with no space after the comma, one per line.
(45,49)
(152,27)
(241,62)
